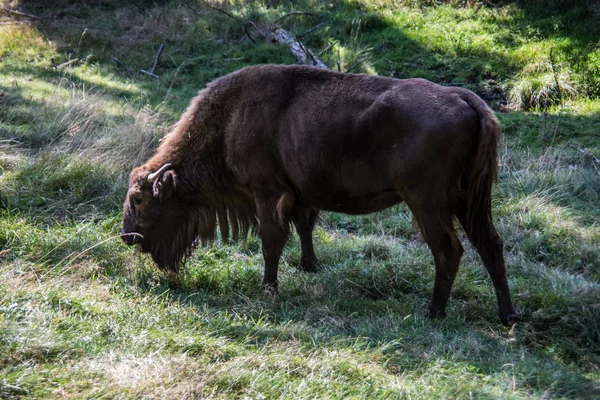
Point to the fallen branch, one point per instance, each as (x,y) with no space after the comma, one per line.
(21,14)
(314,28)
(232,59)
(158,53)
(243,21)
(11,21)
(328,48)
(303,55)
(68,63)
(230,15)
(255,27)
(153,70)
(247,33)
(115,59)
(143,71)
(309,53)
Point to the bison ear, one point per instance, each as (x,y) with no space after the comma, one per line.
(165,186)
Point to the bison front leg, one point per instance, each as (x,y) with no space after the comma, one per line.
(274,231)
(304,220)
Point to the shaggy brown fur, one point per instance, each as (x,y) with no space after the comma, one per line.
(276,144)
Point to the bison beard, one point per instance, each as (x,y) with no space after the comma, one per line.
(270,146)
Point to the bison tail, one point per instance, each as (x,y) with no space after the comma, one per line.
(483,170)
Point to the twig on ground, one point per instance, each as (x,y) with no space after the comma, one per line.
(158,53)
(143,71)
(68,63)
(232,59)
(243,21)
(115,59)
(247,33)
(308,53)
(256,27)
(21,14)
(230,15)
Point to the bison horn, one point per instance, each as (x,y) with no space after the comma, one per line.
(155,175)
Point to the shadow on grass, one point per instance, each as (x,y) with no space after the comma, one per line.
(372,300)
(558,346)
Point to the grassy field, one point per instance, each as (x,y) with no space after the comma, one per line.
(84,316)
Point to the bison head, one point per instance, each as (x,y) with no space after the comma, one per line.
(156,218)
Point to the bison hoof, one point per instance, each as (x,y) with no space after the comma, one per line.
(435,313)
(270,289)
(309,265)
(511,319)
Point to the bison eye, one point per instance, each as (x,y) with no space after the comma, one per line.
(136,201)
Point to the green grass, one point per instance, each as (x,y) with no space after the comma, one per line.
(84,316)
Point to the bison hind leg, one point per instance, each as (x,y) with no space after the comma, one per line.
(490,246)
(304,220)
(435,221)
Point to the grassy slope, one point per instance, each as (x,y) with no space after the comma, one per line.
(81,315)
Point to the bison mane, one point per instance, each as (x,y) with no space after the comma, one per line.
(207,193)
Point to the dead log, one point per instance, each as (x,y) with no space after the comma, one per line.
(303,55)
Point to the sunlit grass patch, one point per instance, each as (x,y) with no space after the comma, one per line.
(53,250)
(89,125)
(24,41)
(58,186)
(154,374)
(541,225)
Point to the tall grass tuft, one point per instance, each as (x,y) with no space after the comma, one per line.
(539,87)
(85,130)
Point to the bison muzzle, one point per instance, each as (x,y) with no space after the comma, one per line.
(270,146)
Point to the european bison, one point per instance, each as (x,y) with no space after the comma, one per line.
(272,145)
